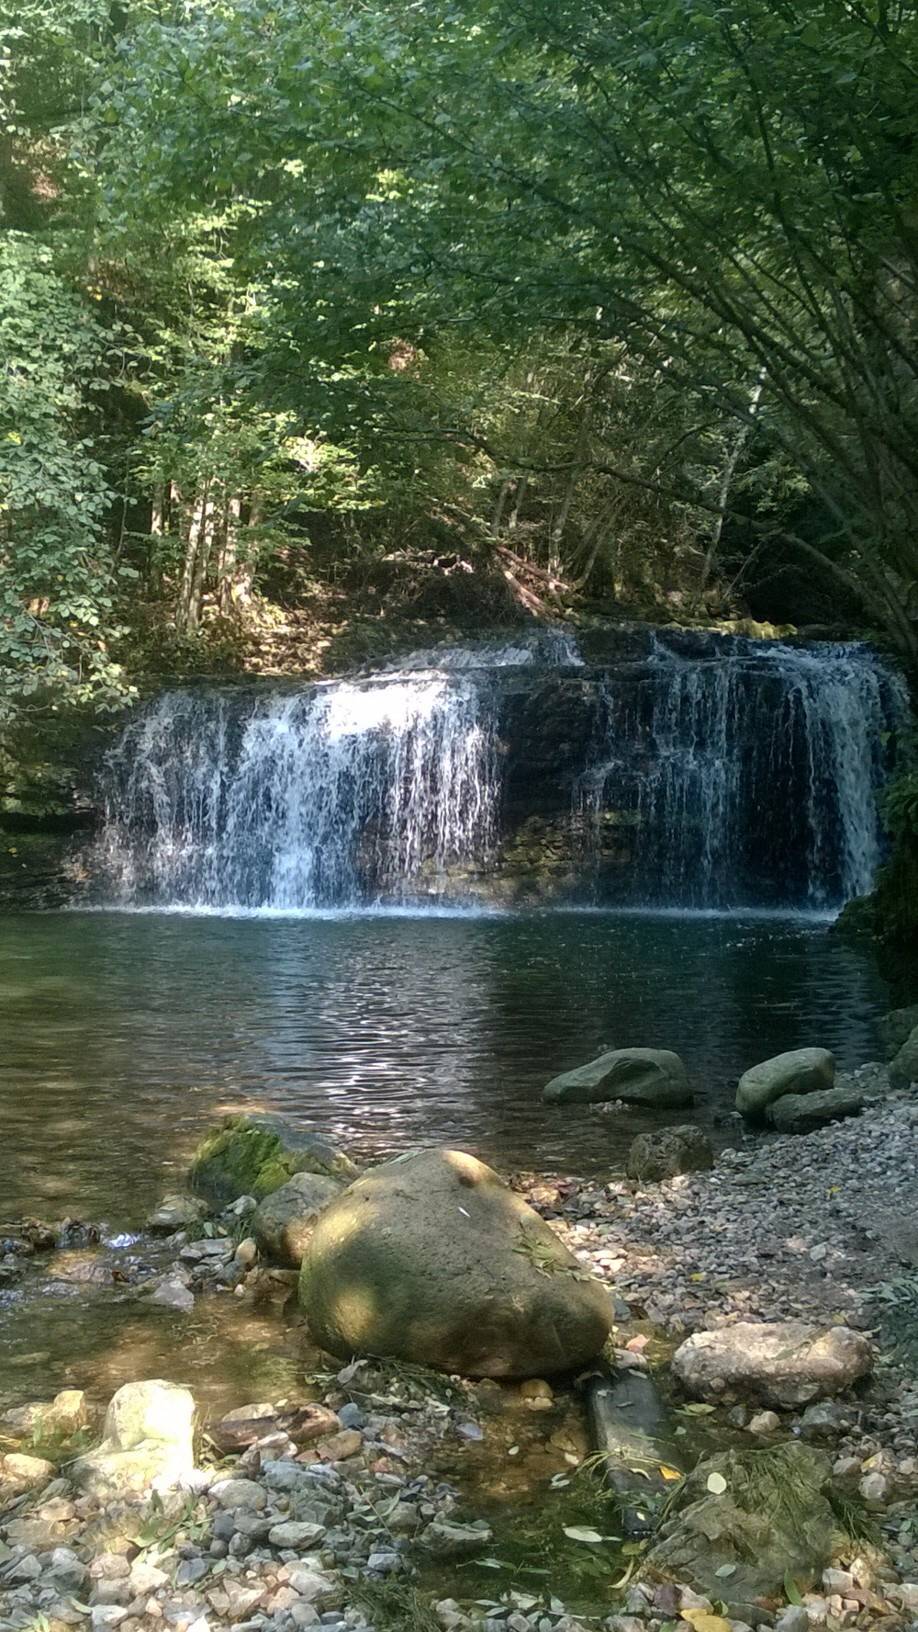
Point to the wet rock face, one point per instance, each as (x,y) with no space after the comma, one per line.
(432,1259)
(784,1363)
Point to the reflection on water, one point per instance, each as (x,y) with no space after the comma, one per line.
(124,1034)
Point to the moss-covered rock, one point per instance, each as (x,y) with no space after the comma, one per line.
(255,1155)
(745,1521)
(430,1258)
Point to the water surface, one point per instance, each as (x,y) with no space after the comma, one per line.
(126,1033)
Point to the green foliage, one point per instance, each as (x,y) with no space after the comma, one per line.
(57,583)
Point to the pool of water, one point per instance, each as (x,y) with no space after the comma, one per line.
(126,1033)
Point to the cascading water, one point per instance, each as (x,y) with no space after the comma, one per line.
(323,797)
(682,770)
(749,775)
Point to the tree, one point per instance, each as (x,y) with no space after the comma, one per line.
(725,190)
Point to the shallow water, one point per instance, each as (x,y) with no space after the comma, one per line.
(126,1033)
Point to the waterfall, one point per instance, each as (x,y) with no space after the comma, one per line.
(673,768)
(327,796)
(749,774)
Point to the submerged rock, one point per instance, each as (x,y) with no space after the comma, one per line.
(631,1431)
(255,1155)
(148,1442)
(431,1258)
(800,1071)
(801,1113)
(903,1067)
(283,1223)
(655,1156)
(746,1520)
(785,1363)
(640,1076)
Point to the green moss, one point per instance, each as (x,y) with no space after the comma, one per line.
(254,1156)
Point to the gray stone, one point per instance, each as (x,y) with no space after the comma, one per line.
(296,1534)
(283,1223)
(785,1363)
(825,1420)
(639,1076)
(801,1071)
(662,1155)
(802,1113)
(446,1539)
(233,1493)
(432,1259)
(173,1294)
(176,1212)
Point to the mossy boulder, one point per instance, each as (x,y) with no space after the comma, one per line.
(662,1155)
(255,1155)
(802,1113)
(745,1521)
(432,1259)
(903,1067)
(896,1027)
(639,1076)
(799,1071)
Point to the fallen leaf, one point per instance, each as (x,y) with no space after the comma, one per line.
(703,1621)
(725,1571)
(717,1484)
(579,1532)
(669,1473)
(792,1590)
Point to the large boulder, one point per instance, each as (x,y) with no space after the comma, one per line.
(784,1363)
(896,1027)
(148,1442)
(655,1156)
(255,1155)
(283,1223)
(802,1113)
(801,1071)
(903,1067)
(745,1521)
(640,1076)
(431,1258)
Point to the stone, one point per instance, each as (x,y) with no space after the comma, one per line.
(19,1472)
(255,1155)
(662,1155)
(338,1447)
(801,1071)
(874,1488)
(148,1442)
(784,1363)
(825,1420)
(903,1067)
(764,1422)
(432,1259)
(766,1516)
(802,1113)
(246,1253)
(232,1493)
(284,1221)
(639,1076)
(314,1586)
(446,1539)
(793,1619)
(296,1534)
(896,1027)
(173,1294)
(176,1212)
